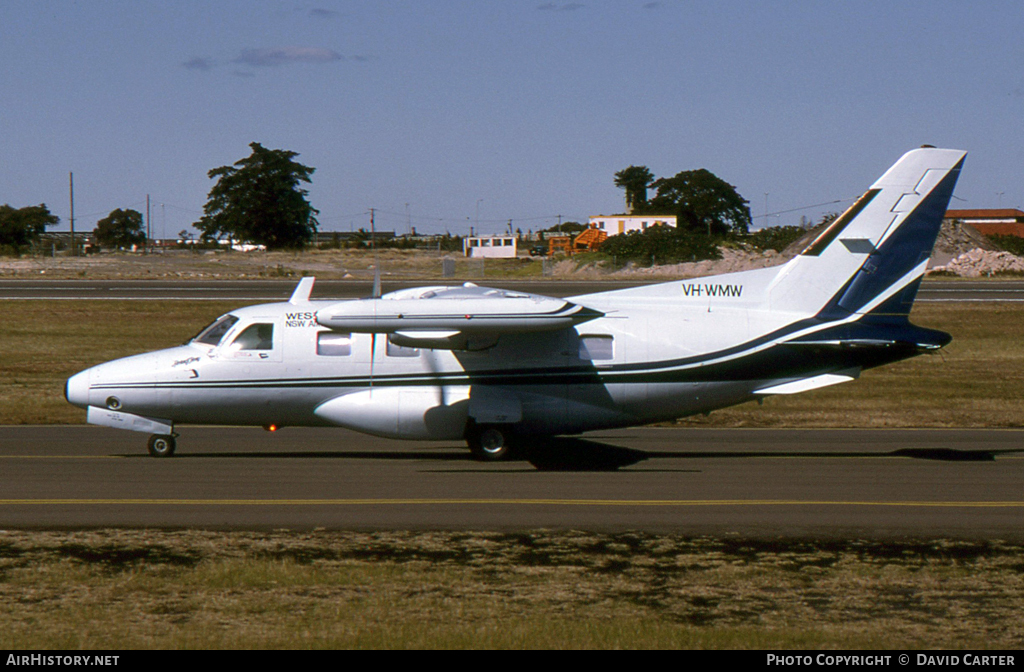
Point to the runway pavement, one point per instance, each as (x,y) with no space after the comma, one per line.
(1011,291)
(761,482)
(876,483)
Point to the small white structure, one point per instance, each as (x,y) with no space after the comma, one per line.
(495,247)
(613,225)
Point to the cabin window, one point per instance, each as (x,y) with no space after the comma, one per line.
(597,347)
(332,344)
(401,351)
(213,334)
(258,336)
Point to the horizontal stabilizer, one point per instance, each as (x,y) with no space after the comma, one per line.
(813,383)
(876,334)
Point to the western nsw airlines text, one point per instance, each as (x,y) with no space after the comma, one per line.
(696,289)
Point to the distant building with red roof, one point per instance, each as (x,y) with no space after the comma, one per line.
(995,222)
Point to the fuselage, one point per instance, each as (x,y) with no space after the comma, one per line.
(658,353)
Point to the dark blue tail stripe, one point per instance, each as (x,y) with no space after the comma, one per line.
(905,249)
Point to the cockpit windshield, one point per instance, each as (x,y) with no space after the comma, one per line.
(213,334)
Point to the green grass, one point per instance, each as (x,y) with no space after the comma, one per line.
(976,381)
(122,589)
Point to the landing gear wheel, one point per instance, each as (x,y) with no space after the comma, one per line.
(490,444)
(161,445)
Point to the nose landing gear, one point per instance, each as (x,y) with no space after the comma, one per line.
(162,445)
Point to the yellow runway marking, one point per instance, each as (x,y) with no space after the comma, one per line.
(501,502)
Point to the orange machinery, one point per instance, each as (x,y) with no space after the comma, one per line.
(587,241)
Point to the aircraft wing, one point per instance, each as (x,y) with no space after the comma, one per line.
(449,317)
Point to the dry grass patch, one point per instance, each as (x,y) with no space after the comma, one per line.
(147,589)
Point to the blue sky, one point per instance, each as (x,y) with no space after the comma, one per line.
(440,114)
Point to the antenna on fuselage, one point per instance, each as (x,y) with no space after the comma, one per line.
(302,291)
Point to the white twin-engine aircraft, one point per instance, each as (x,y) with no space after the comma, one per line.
(503,370)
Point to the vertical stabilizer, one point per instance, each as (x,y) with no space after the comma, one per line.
(872,258)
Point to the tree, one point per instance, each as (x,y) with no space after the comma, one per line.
(702,202)
(1009,242)
(565,228)
(776,238)
(121,229)
(258,200)
(660,245)
(827,219)
(635,180)
(21,227)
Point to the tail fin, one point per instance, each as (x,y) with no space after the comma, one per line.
(872,258)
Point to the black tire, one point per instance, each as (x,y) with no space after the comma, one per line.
(161,445)
(490,443)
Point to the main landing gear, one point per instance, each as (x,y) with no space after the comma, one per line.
(490,443)
(162,445)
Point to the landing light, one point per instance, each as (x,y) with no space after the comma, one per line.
(270,428)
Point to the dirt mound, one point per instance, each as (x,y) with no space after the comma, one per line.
(733,259)
(956,239)
(801,243)
(978,262)
(953,240)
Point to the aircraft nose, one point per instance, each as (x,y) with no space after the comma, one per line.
(76,390)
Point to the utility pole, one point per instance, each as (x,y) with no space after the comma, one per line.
(71,185)
(376,272)
(373,233)
(148,236)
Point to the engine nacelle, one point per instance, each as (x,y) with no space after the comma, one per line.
(430,413)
